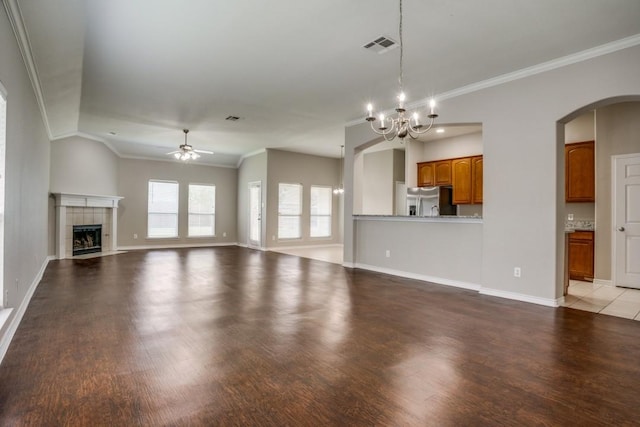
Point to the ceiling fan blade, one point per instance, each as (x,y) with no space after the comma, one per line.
(203,151)
(173,152)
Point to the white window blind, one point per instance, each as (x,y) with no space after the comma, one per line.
(289,211)
(162,209)
(320,211)
(202,210)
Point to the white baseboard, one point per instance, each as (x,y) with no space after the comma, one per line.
(6,338)
(520,297)
(175,246)
(348,265)
(603,282)
(424,278)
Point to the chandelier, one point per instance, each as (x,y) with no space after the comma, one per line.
(401,126)
(340,189)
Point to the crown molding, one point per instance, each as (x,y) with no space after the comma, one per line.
(522,73)
(22,37)
(251,154)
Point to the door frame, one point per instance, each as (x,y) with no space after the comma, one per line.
(251,243)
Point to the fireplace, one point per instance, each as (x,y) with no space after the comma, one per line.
(87,239)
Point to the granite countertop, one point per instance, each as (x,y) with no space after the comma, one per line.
(580,225)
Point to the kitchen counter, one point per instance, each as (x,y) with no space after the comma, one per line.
(413,218)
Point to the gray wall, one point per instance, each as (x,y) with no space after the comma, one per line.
(305,169)
(523,141)
(378,183)
(617,132)
(133,179)
(26,176)
(450,148)
(82,166)
(251,169)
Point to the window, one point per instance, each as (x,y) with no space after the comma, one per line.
(162,209)
(202,210)
(289,211)
(320,211)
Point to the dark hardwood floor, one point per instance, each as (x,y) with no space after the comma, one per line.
(231,336)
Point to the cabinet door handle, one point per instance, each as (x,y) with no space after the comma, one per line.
(620,228)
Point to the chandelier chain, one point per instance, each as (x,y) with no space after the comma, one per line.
(400,77)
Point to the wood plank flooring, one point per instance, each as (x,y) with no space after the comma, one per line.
(230,336)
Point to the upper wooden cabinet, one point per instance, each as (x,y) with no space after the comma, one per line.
(461,179)
(476,179)
(580,174)
(426,175)
(443,172)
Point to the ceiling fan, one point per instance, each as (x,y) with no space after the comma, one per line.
(187,152)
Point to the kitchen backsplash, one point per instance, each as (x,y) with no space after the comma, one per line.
(580,224)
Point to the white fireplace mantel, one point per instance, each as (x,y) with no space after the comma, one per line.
(64,200)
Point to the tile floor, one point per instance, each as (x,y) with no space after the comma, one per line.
(329,253)
(620,302)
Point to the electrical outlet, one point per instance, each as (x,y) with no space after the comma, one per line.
(135,236)
(16,285)
(224,234)
(517,272)
(387,253)
(273,237)
(570,217)
(6,297)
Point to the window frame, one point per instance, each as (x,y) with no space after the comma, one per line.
(329,215)
(299,215)
(177,212)
(213,215)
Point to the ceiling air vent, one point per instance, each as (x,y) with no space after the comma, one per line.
(381,45)
(233,118)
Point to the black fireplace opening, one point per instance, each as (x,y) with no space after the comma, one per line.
(87,239)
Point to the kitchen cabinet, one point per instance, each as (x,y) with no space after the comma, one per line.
(426,174)
(581,249)
(476,179)
(442,172)
(580,180)
(461,180)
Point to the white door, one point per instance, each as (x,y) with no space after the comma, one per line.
(626,220)
(255,214)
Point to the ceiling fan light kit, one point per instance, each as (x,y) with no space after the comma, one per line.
(186,152)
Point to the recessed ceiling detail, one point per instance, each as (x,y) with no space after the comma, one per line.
(381,45)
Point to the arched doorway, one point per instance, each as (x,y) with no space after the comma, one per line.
(616,132)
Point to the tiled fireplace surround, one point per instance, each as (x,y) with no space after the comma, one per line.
(80,209)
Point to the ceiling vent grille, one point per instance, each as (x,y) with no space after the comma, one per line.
(381,45)
(233,118)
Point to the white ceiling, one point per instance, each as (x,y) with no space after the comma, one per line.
(295,72)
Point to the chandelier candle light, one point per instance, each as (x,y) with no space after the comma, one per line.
(401,125)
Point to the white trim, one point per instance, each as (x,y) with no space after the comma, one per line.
(175,246)
(251,154)
(5,340)
(22,37)
(348,265)
(520,297)
(603,282)
(564,61)
(415,276)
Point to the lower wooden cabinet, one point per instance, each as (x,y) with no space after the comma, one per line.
(581,249)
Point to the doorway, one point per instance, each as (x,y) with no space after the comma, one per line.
(255,215)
